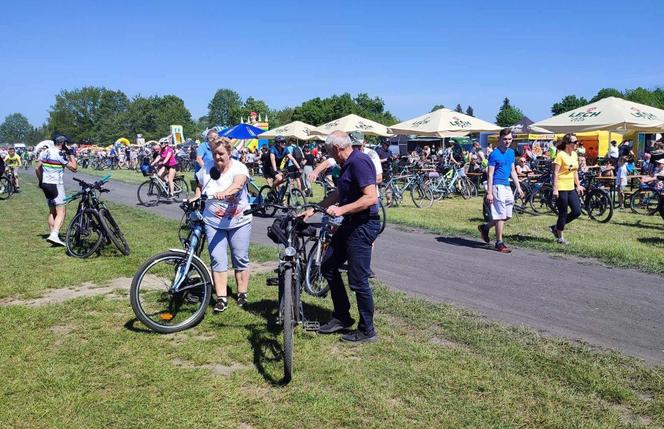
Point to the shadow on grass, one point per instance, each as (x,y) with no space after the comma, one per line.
(463,242)
(530,238)
(265,339)
(134,325)
(639,224)
(653,241)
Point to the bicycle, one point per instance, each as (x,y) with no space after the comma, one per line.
(287,232)
(287,192)
(171,291)
(453,180)
(7,183)
(393,190)
(645,200)
(154,189)
(93,223)
(314,282)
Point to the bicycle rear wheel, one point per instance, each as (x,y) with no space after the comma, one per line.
(148,193)
(113,231)
(288,318)
(314,282)
(267,196)
(542,200)
(598,205)
(644,202)
(84,235)
(157,306)
(382,213)
(182,184)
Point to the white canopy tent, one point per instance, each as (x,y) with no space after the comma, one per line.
(443,123)
(351,123)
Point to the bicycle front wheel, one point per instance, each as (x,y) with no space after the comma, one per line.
(382,213)
(163,309)
(314,282)
(644,201)
(296,198)
(421,196)
(84,235)
(6,188)
(113,231)
(288,322)
(267,196)
(148,193)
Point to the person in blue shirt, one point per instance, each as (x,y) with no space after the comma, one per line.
(278,153)
(499,194)
(203,152)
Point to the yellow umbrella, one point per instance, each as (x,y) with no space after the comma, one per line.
(351,123)
(443,123)
(123,141)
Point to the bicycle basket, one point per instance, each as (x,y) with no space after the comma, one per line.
(146,169)
(278,231)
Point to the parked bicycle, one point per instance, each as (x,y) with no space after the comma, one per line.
(7,183)
(286,194)
(156,189)
(314,282)
(93,225)
(645,200)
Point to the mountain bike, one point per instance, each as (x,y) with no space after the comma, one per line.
(286,193)
(393,189)
(645,200)
(595,203)
(93,225)
(155,189)
(7,183)
(452,180)
(286,231)
(171,291)
(314,282)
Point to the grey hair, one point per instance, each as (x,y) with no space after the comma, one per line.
(338,139)
(211,131)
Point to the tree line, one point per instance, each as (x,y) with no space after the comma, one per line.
(100,115)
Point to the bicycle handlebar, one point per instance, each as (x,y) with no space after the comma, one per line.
(316,207)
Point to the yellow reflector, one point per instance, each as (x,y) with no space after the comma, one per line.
(166,316)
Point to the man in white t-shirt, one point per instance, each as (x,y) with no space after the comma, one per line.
(50,169)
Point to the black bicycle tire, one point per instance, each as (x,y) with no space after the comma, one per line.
(8,186)
(639,193)
(307,274)
(293,192)
(426,200)
(114,232)
(69,238)
(138,309)
(182,183)
(267,196)
(146,203)
(288,322)
(382,213)
(607,200)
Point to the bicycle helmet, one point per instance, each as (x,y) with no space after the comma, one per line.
(280,139)
(61,138)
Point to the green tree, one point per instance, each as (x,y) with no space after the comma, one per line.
(154,115)
(470,111)
(252,105)
(606,92)
(225,108)
(642,96)
(318,111)
(569,102)
(508,114)
(437,107)
(281,117)
(15,129)
(458,108)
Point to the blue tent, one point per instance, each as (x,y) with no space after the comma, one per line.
(242,132)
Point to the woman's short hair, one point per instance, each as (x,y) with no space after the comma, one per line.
(223,141)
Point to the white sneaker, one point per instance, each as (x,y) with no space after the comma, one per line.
(55,239)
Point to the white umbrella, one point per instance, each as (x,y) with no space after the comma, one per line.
(44,143)
(297,129)
(442,123)
(610,113)
(351,123)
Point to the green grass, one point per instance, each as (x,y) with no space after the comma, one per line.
(86,363)
(128,176)
(628,240)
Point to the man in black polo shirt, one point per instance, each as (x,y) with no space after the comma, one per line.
(355,199)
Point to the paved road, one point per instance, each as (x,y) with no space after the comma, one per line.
(571,297)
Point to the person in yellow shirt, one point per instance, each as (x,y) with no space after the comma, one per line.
(14,160)
(566,186)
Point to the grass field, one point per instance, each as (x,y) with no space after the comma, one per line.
(86,363)
(128,176)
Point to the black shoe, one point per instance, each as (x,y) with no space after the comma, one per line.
(335,325)
(484,233)
(554,231)
(372,275)
(241,299)
(358,337)
(221,305)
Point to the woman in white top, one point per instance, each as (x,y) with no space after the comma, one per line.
(225,222)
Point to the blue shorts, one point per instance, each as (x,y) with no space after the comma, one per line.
(219,241)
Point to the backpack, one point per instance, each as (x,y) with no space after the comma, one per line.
(297,154)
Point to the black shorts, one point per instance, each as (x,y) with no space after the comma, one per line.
(268,173)
(55,194)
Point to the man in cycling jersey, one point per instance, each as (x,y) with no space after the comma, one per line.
(50,169)
(14,160)
(279,154)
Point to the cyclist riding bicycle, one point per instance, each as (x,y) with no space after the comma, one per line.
(14,160)
(167,164)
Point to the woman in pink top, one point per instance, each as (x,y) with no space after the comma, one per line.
(167,162)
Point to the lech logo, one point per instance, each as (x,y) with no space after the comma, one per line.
(361,125)
(459,123)
(581,116)
(331,124)
(424,121)
(638,113)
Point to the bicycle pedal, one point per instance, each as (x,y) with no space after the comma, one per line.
(272,281)
(311,325)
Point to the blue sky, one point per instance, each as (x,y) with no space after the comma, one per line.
(413,54)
